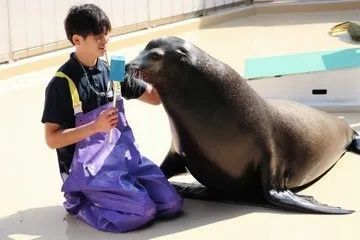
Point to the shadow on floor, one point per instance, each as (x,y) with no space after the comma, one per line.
(54,223)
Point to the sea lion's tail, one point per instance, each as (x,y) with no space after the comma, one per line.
(355,144)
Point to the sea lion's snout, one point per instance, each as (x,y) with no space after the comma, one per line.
(135,68)
(147,65)
(135,72)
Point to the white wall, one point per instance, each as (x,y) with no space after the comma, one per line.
(298,87)
(4,28)
(35,23)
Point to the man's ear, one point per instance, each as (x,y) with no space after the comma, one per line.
(76,38)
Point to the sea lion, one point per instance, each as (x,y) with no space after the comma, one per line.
(232,140)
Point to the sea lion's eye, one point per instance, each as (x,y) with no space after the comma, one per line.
(155,56)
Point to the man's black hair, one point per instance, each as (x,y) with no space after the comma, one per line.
(85,20)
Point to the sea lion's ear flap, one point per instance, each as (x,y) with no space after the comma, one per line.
(183,53)
(182,50)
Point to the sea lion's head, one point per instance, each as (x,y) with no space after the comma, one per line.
(163,60)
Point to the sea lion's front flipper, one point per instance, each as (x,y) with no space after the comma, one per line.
(173,164)
(289,200)
(355,144)
(195,191)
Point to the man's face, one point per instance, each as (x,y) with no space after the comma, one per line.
(93,45)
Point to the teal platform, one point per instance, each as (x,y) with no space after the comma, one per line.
(302,63)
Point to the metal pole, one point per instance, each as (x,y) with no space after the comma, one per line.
(204,7)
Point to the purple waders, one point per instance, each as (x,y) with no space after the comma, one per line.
(111,186)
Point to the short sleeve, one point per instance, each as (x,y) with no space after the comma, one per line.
(132,88)
(58,104)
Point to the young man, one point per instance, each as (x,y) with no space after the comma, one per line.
(78,113)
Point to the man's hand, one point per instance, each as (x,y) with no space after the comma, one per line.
(57,137)
(106,120)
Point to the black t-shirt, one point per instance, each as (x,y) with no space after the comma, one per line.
(58,106)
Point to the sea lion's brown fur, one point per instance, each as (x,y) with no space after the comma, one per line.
(229,138)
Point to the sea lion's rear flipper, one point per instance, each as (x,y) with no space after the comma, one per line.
(173,164)
(289,200)
(284,199)
(355,144)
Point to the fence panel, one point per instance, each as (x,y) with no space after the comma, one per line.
(130,12)
(209,4)
(4,26)
(177,7)
(142,13)
(117,13)
(166,8)
(219,3)
(188,6)
(48,21)
(154,9)
(28,24)
(33,23)
(61,7)
(17,21)
(199,5)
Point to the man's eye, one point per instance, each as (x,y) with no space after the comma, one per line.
(99,37)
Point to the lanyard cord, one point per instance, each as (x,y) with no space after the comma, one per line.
(100,94)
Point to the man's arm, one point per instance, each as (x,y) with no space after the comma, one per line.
(57,137)
(150,96)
